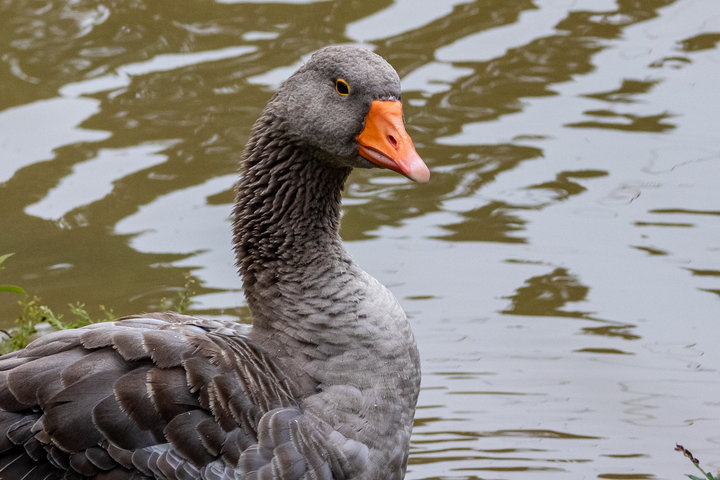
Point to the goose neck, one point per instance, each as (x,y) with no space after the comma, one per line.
(287,218)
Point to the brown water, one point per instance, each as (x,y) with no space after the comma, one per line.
(561,270)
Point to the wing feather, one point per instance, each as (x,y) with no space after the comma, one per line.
(131,392)
(118,427)
(165,397)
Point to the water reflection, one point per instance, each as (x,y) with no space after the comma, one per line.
(561,269)
(547,294)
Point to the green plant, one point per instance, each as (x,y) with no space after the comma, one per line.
(33,313)
(183,299)
(35,317)
(696,462)
(9,288)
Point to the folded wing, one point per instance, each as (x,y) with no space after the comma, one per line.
(161,396)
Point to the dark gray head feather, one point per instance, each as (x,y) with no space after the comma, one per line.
(316,115)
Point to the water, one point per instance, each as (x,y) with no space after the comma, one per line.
(561,270)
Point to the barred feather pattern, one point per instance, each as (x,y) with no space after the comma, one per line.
(160,396)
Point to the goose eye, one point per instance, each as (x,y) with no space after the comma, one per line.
(342,87)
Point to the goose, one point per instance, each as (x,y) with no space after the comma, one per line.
(325,382)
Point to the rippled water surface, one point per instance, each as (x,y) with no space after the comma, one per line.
(561,270)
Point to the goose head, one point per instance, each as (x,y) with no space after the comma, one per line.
(344,106)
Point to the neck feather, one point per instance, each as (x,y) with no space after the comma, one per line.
(287,217)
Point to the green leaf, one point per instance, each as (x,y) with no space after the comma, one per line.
(5,257)
(695,477)
(12,288)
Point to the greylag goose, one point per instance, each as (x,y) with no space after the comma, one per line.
(325,382)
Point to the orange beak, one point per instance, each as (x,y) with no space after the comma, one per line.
(385,142)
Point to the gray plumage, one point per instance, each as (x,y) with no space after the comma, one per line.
(323,386)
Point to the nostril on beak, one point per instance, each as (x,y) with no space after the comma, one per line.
(393,142)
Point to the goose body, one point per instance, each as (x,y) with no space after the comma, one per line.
(325,382)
